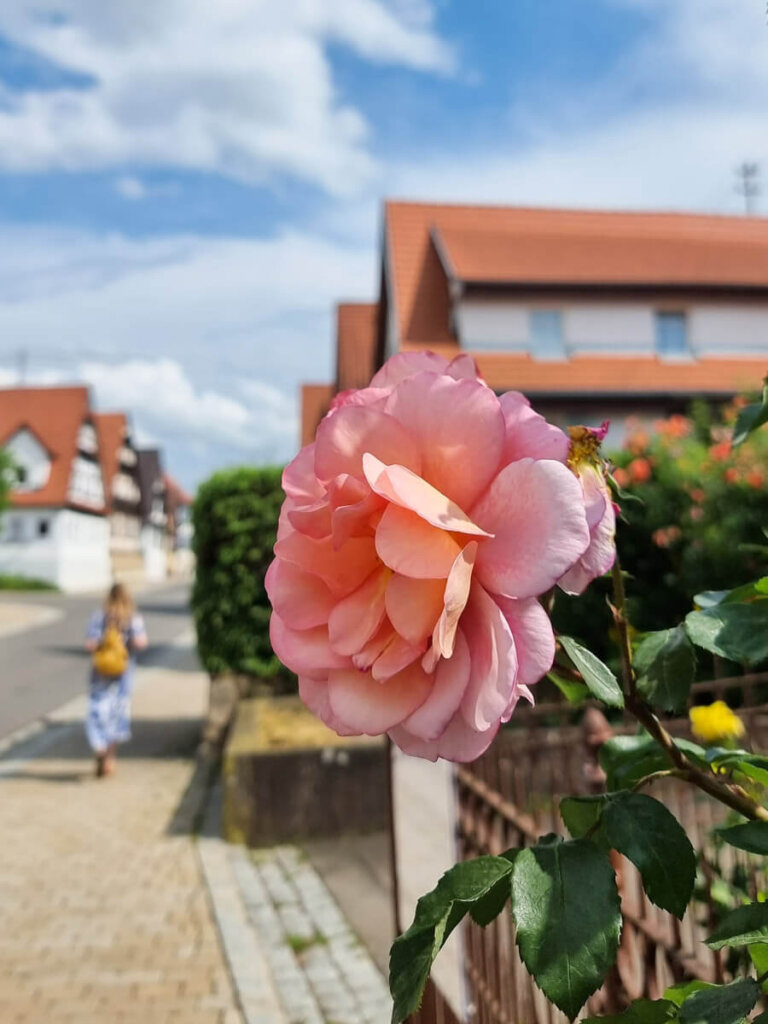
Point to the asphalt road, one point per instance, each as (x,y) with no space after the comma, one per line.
(43,667)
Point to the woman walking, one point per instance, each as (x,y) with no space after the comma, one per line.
(114,635)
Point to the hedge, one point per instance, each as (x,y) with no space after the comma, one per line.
(235,522)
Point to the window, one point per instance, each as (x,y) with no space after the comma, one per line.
(15,529)
(672,334)
(43,527)
(546,328)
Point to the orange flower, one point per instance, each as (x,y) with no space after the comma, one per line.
(697,495)
(731,475)
(721,451)
(639,471)
(621,476)
(637,442)
(755,479)
(666,536)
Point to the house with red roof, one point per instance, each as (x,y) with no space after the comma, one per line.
(591,314)
(119,467)
(57,527)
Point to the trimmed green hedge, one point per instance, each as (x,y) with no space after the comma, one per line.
(235,521)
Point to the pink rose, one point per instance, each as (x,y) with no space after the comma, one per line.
(416,535)
(584,459)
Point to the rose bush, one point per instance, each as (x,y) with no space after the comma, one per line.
(417,534)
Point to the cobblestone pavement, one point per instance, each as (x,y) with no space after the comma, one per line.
(113,910)
(105,913)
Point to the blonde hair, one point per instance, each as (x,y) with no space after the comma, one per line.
(119,606)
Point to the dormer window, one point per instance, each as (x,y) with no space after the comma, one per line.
(31,461)
(672,335)
(86,439)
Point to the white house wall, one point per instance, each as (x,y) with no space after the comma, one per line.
(614,328)
(153,546)
(73,554)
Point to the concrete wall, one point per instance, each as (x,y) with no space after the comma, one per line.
(72,553)
(613,327)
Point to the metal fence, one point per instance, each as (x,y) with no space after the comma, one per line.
(509,797)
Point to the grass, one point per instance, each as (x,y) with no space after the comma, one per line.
(24,583)
(300,943)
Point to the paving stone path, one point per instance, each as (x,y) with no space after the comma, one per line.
(114,910)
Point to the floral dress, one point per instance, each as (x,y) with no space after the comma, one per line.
(109,705)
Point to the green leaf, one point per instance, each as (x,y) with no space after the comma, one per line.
(679,993)
(487,908)
(573,691)
(627,759)
(750,418)
(437,914)
(598,677)
(758,954)
(752,836)
(723,1004)
(754,766)
(712,598)
(568,916)
(581,813)
(738,632)
(641,1011)
(650,836)
(742,927)
(665,663)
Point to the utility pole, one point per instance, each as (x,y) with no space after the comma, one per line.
(748,185)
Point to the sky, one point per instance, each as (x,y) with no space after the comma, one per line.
(187,188)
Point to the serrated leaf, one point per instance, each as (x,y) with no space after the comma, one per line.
(598,677)
(649,835)
(568,916)
(752,836)
(723,1004)
(741,927)
(437,914)
(738,632)
(581,813)
(750,418)
(487,908)
(666,663)
(641,1011)
(677,994)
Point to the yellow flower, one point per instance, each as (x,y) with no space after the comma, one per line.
(712,723)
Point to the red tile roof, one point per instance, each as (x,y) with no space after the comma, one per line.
(175,492)
(111,428)
(356,337)
(428,243)
(54,415)
(614,375)
(315,399)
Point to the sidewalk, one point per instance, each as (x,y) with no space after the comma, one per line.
(114,910)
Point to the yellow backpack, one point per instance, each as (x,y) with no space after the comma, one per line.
(110,659)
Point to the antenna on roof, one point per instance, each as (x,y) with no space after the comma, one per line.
(748,185)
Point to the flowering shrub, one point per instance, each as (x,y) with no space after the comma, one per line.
(417,533)
(415,538)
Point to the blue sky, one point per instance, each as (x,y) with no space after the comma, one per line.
(187,188)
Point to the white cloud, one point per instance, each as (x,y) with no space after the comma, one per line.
(129,187)
(240,88)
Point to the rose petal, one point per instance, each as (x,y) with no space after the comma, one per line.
(414,605)
(396,656)
(529,435)
(534,639)
(451,680)
(372,708)
(342,571)
(305,651)
(536,511)
(343,437)
(597,559)
(464,367)
(366,656)
(459,428)
(356,619)
(411,547)
(458,742)
(494,661)
(312,520)
(300,598)
(314,693)
(299,479)
(404,488)
(454,600)
(407,364)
